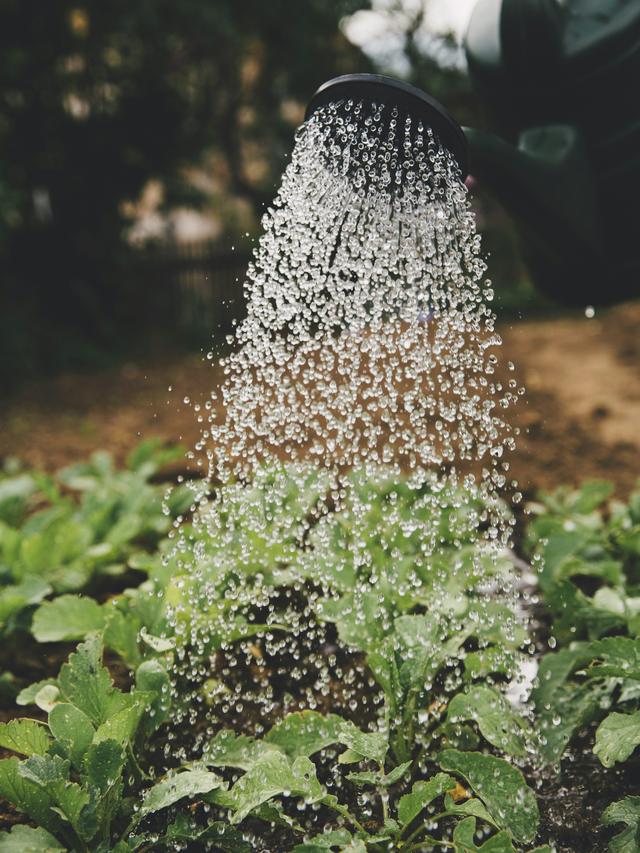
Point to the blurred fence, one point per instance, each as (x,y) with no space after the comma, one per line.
(196,287)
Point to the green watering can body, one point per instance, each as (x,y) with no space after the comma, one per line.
(561,83)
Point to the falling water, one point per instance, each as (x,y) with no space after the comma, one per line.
(366,366)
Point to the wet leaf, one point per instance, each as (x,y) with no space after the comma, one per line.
(121,635)
(273,775)
(464,840)
(27,796)
(177,786)
(153,680)
(371,745)
(103,764)
(51,774)
(85,683)
(626,811)
(336,840)
(305,733)
(563,706)
(473,807)
(24,736)
(72,729)
(122,726)
(216,835)
(616,657)
(226,749)
(496,718)
(423,793)
(501,787)
(617,737)
(379,779)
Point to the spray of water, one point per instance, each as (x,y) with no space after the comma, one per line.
(363,377)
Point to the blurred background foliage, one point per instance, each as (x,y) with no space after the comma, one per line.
(135,123)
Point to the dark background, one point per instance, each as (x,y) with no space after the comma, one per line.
(114,115)
(140,141)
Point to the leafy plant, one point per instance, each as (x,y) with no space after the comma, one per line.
(427,770)
(279,766)
(66,544)
(74,777)
(589,557)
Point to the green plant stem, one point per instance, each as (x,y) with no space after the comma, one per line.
(138,772)
(434,842)
(346,814)
(405,845)
(384,797)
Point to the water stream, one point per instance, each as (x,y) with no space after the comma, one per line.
(365,374)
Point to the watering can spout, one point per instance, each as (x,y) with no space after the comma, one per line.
(546,185)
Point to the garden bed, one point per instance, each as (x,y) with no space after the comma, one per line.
(449,728)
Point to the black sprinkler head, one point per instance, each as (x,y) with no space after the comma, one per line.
(410,101)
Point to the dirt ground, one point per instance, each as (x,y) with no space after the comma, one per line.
(580,417)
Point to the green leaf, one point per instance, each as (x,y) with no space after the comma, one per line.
(492,659)
(501,787)
(423,793)
(578,615)
(26,796)
(47,697)
(424,647)
(592,495)
(305,733)
(339,839)
(272,775)
(177,786)
(617,737)
(66,618)
(464,840)
(357,845)
(103,764)
(153,680)
(615,657)
(14,598)
(25,736)
(219,834)
(51,773)
(371,745)
(72,729)
(122,726)
(273,814)
(625,811)
(25,839)
(563,706)
(495,716)
(382,663)
(226,749)
(85,683)
(27,696)
(121,635)
(473,807)
(378,778)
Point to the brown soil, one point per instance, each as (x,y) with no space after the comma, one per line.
(580,417)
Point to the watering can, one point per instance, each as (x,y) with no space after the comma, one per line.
(560,81)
